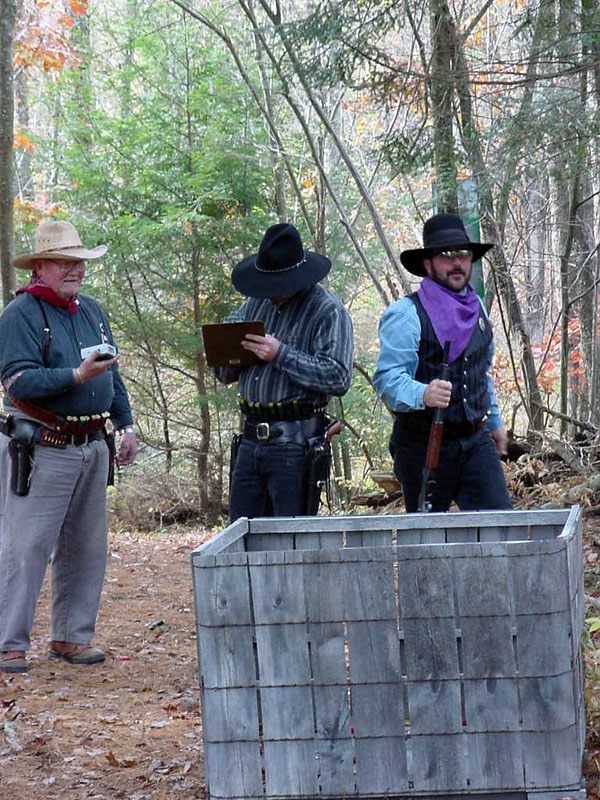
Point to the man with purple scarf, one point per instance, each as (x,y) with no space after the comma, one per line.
(412,333)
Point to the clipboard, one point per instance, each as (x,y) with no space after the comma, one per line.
(222,343)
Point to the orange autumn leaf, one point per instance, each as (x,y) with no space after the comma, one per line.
(24,142)
(78,6)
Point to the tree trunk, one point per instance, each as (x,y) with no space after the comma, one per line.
(8,10)
(490,233)
(536,224)
(442,93)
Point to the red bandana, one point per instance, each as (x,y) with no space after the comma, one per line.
(38,289)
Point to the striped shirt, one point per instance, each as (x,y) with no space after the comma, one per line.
(315,358)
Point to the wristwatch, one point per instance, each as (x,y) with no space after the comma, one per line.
(126,429)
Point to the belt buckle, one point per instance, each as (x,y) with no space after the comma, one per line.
(262,431)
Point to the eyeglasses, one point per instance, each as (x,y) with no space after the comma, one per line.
(454,253)
(67,266)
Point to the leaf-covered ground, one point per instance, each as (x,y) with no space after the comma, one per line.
(131,728)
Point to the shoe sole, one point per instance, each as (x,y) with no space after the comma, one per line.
(14,668)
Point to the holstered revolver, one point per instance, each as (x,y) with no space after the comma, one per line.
(20,449)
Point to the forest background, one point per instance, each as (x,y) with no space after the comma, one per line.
(177,133)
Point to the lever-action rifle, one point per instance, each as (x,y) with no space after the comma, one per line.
(435,443)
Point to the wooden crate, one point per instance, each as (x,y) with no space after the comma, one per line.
(393,656)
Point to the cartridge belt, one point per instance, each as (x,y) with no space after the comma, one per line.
(49,438)
(297,431)
(279,412)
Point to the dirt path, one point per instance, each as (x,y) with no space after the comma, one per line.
(130,727)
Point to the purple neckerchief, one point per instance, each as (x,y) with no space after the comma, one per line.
(453,315)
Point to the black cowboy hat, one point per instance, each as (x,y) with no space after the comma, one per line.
(281,266)
(440,232)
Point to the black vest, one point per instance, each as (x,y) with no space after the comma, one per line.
(470,399)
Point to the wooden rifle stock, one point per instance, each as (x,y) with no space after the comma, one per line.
(435,443)
(333,430)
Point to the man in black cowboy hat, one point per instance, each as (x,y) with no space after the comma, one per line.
(412,333)
(304,358)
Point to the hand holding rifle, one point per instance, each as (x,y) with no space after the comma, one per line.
(437,395)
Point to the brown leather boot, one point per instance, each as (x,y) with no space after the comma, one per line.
(76,653)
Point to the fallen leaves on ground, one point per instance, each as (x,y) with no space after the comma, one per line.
(128,728)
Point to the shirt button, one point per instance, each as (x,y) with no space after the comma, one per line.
(464,385)
(465,372)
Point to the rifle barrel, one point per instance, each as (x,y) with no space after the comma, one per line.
(435,442)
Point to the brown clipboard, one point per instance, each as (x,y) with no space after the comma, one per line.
(222,343)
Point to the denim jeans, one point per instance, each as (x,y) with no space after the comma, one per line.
(268,480)
(469,472)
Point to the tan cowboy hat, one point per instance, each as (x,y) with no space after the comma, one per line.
(58,239)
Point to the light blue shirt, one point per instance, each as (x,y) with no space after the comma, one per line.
(394,378)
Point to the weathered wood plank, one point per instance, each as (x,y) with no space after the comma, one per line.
(541,533)
(374,652)
(233,770)
(222,541)
(491,705)
(438,761)
(323,592)
(290,769)
(378,710)
(335,775)
(548,703)
(543,646)
(462,535)
(494,759)
(551,759)
(430,649)
(425,588)
(307,541)
(226,656)
(233,715)
(223,596)
(381,766)
(407,522)
(539,584)
(487,647)
(287,713)
(369,590)
(282,654)
(277,591)
(482,586)
(256,542)
(434,707)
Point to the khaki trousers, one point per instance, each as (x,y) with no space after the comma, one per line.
(62,520)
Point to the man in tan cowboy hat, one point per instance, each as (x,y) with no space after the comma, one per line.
(58,367)
(304,359)
(413,332)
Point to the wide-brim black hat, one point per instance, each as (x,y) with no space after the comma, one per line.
(441,232)
(281,266)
